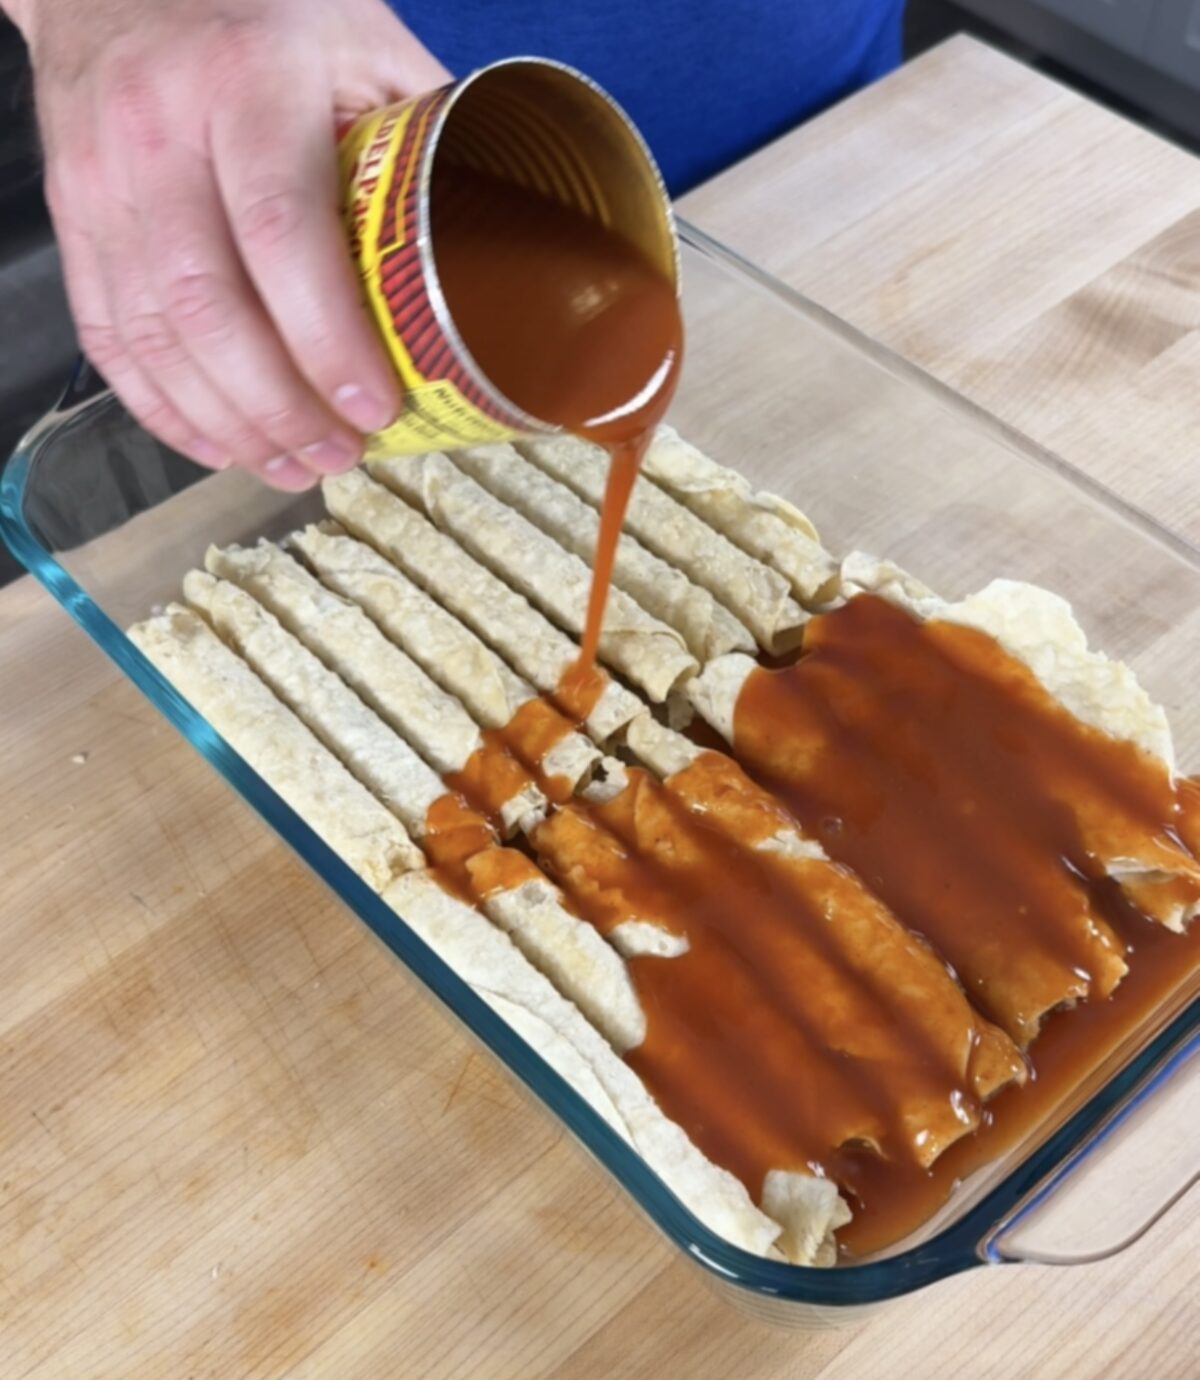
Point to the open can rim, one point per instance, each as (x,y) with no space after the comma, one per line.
(425,250)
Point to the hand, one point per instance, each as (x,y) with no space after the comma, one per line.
(191,175)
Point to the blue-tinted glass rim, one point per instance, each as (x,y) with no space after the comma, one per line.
(960,1246)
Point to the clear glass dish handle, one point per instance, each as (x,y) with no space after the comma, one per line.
(1136,1164)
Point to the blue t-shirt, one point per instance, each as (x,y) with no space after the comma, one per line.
(706,81)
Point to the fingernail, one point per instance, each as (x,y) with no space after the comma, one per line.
(333,456)
(285,472)
(208,454)
(362,409)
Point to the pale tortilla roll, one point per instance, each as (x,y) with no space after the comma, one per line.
(220,685)
(1039,629)
(348,727)
(810,1210)
(877,965)
(714,693)
(447,649)
(763,524)
(346,640)
(505,620)
(575,956)
(559,1033)
(645,650)
(278,745)
(768,1024)
(760,596)
(706,625)
(660,748)
(877,942)
(865,574)
(641,938)
(572,953)
(805,1211)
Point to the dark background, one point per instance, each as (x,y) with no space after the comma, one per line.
(1139,57)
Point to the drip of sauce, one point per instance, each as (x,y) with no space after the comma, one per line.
(500,869)
(513,757)
(454,834)
(568,319)
(579,690)
(464,855)
(460,838)
(531,735)
(491,777)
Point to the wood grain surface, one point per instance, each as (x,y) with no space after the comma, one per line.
(237,1142)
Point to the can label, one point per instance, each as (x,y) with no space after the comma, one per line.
(381,163)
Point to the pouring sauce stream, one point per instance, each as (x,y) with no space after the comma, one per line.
(569,320)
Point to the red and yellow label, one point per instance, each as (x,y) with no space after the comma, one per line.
(446,403)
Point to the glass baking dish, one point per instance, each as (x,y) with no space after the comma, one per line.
(884,459)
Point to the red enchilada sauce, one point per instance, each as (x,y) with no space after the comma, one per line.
(568,319)
(805,1028)
(937,767)
(973,803)
(772,1041)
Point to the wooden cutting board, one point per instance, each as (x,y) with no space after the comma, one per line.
(236,1141)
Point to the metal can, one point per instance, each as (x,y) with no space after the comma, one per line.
(530,121)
